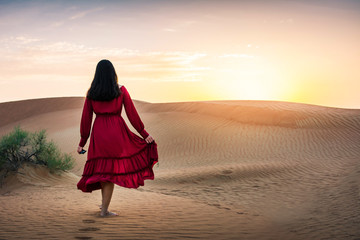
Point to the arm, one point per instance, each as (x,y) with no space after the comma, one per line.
(86,120)
(132,114)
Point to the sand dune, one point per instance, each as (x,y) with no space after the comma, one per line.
(228,170)
(18,110)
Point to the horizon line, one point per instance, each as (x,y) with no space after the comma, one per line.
(193,101)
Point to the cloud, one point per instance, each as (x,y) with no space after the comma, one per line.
(19,40)
(84,13)
(179,26)
(25,56)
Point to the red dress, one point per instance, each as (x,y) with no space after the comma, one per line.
(115,153)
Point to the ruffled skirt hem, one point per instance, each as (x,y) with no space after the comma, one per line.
(129,172)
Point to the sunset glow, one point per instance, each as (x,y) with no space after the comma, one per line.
(166,51)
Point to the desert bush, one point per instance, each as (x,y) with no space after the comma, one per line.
(20,146)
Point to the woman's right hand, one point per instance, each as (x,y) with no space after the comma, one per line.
(149,139)
(79,149)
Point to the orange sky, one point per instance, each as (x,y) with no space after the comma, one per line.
(165,51)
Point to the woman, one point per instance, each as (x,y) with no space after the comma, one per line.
(115,155)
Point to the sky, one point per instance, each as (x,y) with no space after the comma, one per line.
(190,50)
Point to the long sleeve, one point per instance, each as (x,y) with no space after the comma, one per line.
(86,120)
(133,115)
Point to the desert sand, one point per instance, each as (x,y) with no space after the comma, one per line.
(227,170)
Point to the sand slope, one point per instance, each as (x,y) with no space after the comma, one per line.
(228,170)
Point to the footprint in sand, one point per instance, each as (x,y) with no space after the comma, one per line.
(88,221)
(227,172)
(89,229)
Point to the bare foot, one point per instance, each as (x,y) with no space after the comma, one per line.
(100,206)
(107,214)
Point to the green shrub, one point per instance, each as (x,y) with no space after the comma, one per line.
(20,147)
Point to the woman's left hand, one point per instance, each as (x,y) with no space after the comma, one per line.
(149,139)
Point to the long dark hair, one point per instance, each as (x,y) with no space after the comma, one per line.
(104,86)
